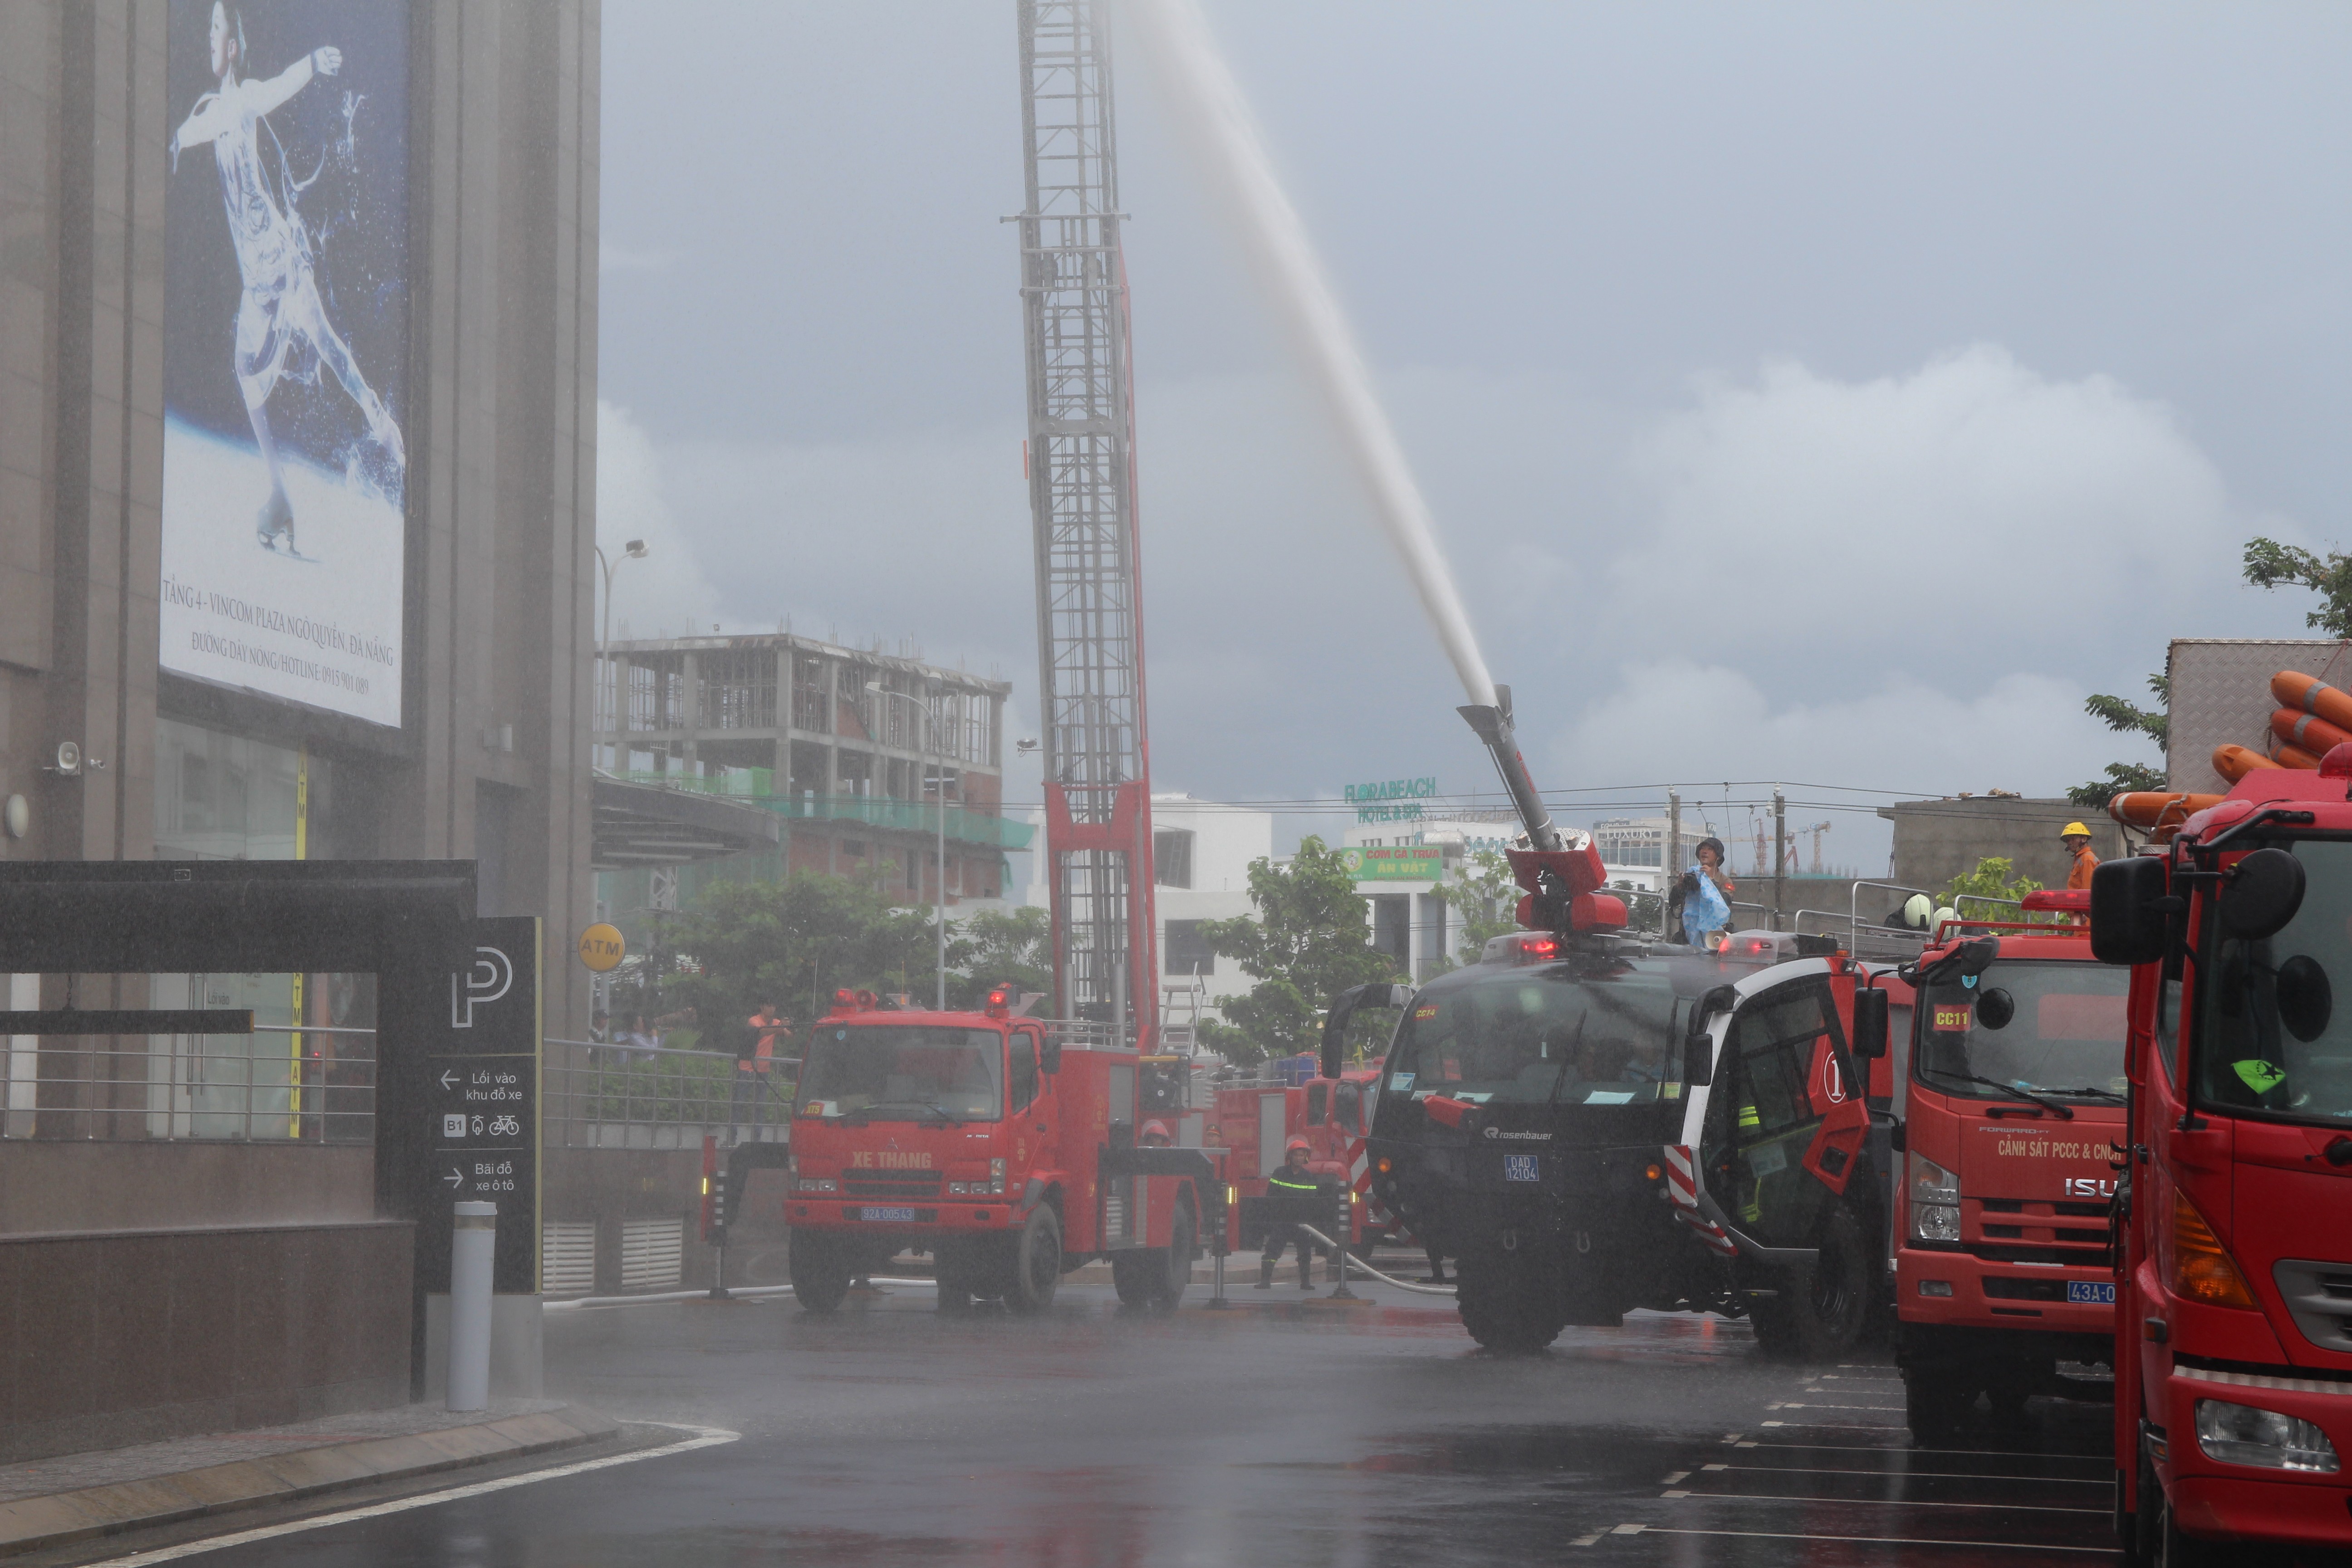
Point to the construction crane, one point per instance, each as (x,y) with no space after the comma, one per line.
(1082,496)
(1817,829)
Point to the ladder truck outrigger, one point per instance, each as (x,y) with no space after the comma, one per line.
(1590,1121)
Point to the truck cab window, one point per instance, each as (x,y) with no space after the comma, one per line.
(1349,1108)
(1317,1100)
(2271,1040)
(1024,1068)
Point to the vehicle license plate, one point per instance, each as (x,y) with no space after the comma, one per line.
(2094,1291)
(906,1214)
(1519,1168)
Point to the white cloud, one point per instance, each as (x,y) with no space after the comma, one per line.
(1969,508)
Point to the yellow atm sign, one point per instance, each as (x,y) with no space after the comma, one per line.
(601,947)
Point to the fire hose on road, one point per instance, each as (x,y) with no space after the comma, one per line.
(1347,1263)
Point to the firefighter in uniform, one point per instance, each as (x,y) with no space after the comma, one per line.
(1154,1135)
(2077,840)
(1294,1197)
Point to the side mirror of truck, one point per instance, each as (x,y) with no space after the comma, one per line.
(1049,1055)
(1698,1050)
(2262,893)
(2127,924)
(1870,1025)
(1344,1007)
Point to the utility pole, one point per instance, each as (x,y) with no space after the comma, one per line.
(1779,851)
(1083,524)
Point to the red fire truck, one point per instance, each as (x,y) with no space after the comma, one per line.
(1004,1145)
(2234,1315)
(2014,1094)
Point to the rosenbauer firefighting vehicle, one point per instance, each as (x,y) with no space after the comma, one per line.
(1591,1121)
(1004,1145)
(2013,1098)
(2233,1313)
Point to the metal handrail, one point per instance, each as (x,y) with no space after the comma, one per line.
(605,1095)
(192,1090)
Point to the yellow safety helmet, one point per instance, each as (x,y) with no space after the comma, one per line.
(2072,828)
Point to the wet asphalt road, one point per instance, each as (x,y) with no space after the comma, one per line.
(1296,1434)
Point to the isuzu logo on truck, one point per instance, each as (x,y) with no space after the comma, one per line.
(2089,1187)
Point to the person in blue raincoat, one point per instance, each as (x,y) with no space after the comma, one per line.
(1705,891)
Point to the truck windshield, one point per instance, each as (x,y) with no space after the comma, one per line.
(1545,1036)
(2271,1043)
(2043,1027)
(903,1072)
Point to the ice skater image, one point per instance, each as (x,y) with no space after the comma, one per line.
(282,327)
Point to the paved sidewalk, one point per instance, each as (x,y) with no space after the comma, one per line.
(45,1502)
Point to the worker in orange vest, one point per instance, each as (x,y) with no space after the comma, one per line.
(2077,840)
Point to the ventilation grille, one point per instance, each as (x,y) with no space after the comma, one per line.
(2320,1297)
(652,1254)
(567,1257)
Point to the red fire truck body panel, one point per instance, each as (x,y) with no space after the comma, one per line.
(2248,1190)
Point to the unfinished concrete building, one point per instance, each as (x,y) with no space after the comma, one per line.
(861,751)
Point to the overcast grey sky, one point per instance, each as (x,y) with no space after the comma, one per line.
(1828,393)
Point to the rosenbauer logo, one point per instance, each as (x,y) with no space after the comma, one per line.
(1526,1137)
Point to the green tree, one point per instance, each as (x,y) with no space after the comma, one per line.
(1309,942)
(2128,718)
(997,947)
(1482,892)
(794,942)
(2270,564)
(1990,879)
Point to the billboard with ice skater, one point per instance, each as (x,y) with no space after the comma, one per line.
(286,349)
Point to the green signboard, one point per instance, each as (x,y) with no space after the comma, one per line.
(1405,863)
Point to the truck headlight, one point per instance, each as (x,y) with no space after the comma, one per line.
(2244,1435)
(820,1184)
(1935,1202)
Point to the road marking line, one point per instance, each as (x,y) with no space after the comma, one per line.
(1913,1474)
(1671,1492)
(1884,1502)
(1629,1529)
(1870,1539)
(1588,1540)
(1800,1405)
(1834,1425)
(1889,1449)
(1683,1475)
(705,1437)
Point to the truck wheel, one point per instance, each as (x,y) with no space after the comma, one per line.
(1820,1309)
(1511,1302)
(1131,1276)
(820,1273)
(1036,1263)
(1175,1271)
(1935,1403)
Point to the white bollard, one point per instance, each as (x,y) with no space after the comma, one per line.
(473,1239)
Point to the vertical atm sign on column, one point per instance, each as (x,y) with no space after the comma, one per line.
(485,1094)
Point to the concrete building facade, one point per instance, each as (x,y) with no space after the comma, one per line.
(856,749)
(472,742)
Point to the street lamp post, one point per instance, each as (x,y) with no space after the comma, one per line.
(940,899)
(634,550)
